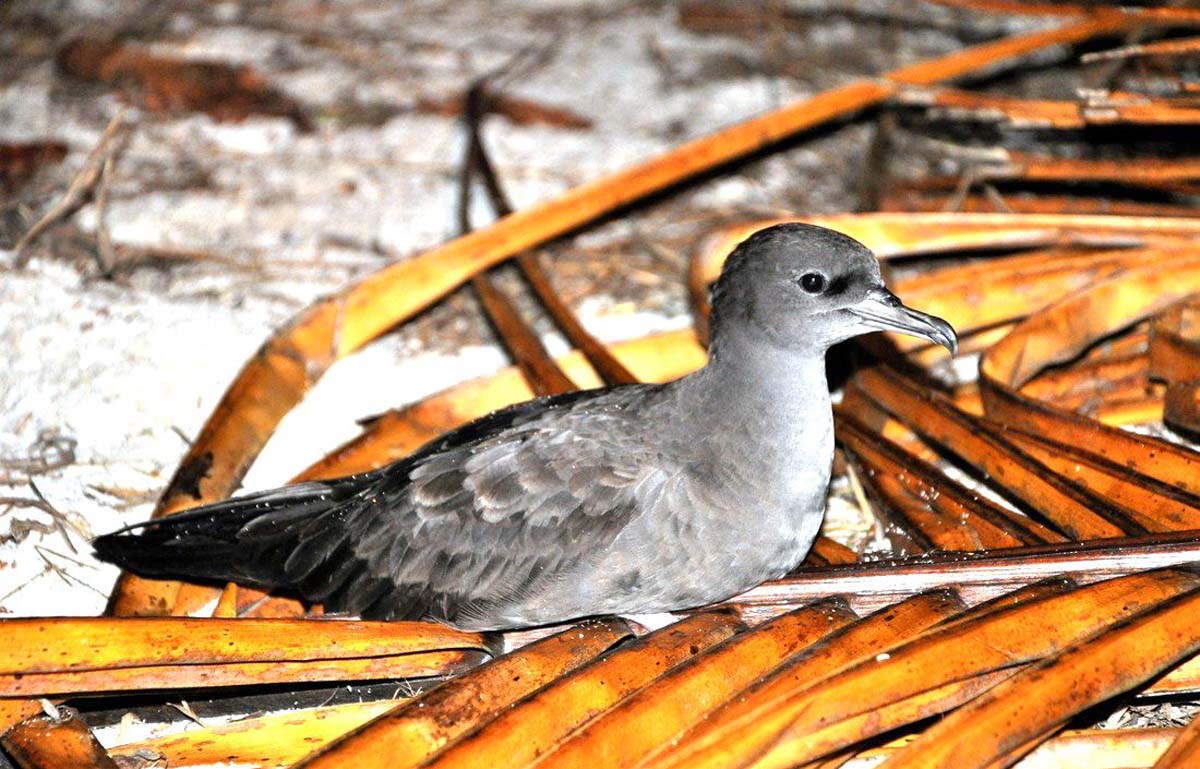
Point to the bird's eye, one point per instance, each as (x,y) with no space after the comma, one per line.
(812,282)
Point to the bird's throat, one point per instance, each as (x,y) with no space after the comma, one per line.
(772,392)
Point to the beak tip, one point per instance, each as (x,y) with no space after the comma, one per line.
(940,332)
(948,338)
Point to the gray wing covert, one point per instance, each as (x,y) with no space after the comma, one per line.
(471,529)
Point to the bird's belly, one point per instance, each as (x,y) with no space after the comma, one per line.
(731,535)
(708,562)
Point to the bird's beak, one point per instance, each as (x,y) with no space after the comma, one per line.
(883,310)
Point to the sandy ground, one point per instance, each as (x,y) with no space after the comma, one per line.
(105,381)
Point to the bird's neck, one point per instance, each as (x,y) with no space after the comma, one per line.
(749,381)
(763,416)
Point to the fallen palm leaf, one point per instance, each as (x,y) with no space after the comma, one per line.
(1046,339)
(666,707)
(45,657)
(533,727)
(874,633)
(275,740)
(1001,721)
(411,731)
(286,366)
(820,714)
(1184,751)
(773,694)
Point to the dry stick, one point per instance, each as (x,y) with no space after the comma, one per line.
(611,370)
(1104,75)
(106,254)
(76,194)
(290,362)
(1016,112)
(873,179)
(1183,47)
(976,576)
(539,369)
(1175,359)
(1183,16)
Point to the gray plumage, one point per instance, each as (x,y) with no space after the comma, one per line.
(634,499)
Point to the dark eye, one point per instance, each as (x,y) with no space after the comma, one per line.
(812,282)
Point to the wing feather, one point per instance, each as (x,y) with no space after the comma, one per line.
(470,532)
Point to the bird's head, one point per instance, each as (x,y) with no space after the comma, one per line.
(805,288)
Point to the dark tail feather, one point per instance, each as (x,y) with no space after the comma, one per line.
(246,539)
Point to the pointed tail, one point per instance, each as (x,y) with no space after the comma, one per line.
(246,539)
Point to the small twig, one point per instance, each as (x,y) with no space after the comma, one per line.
(995,197)
(1111,66)
(62,520)
(955,203)
(11,502)
(183,707)
(1185,46)
(66,557)
(81,186)
(517,336)
(526,60)
(187,441)
(106,255)
(610,369)
(860,494)
(874,178)
(45,570)
(54,567)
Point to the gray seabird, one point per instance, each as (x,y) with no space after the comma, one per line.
(637,499)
